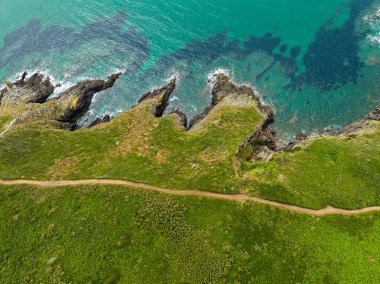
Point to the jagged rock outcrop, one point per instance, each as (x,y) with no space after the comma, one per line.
(301,136)
(34,109)
(199,117)
(222,87)
(180,116)
(76,101)
(160,97)
(34,89)
(30,96)
(263,142)
(374,115)
(3,92)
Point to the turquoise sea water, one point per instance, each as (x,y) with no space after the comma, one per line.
(316,62)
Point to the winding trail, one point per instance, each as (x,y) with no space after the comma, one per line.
(240,197)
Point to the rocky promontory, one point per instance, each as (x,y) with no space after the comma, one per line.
(76,100)
(34,89)
(223,86)
(27,101)
(261,143)
(160,97)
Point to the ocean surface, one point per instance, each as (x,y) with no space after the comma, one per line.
(316,62)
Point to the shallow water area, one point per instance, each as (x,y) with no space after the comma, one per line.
(316,62)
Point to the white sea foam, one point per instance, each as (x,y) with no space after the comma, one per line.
(258,94)
(373,20)
(174,98)
(211,77)
(174,75)
(62,86)
(375,39)
(94,100)
(119,70)
(17,76)
(373,16)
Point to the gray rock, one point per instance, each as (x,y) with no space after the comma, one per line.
(77,100)
(223,87)
(161,96)
(181,117)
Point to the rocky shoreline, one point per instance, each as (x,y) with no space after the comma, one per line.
(361,124)
(31,95)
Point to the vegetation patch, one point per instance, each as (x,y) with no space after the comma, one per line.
(112,234)
(136,146)
(340,171)
(3,122)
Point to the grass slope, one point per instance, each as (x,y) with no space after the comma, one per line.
(340,171)
(3,122)
(106,234)
(138,147)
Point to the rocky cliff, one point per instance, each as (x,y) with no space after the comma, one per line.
(27,101)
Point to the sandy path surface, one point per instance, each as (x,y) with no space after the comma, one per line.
(240,197)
